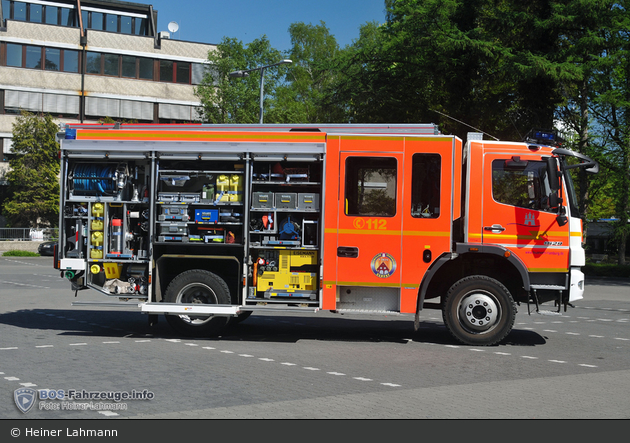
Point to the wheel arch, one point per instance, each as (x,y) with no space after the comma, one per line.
(474,259)
(169,266)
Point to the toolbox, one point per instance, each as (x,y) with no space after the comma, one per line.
(173,213)
(206,215)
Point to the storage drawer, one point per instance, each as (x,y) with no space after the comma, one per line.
(262,200)
(308,202)
(286,200)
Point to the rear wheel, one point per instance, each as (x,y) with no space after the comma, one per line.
(479,310)
(197,287)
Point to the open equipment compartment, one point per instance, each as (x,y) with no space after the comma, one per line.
(285,219)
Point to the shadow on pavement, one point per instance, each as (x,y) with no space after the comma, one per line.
(264,328)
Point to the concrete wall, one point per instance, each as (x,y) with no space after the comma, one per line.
(19,246)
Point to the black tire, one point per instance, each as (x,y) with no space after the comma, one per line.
(479,311)
(197,286)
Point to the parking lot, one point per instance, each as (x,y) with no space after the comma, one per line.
(308,366)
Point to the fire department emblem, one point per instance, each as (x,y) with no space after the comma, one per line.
(24,398)
(383,265)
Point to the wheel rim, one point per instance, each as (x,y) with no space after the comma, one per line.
(479,312)
(197,293)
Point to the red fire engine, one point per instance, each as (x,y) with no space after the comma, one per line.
(209,223)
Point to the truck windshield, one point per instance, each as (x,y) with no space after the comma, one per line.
(571,195)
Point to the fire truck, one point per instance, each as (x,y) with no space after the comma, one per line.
(208,224)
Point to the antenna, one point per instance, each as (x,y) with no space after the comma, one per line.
(173,27)
(459,121)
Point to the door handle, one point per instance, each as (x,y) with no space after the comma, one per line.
(347,251)
(493,228)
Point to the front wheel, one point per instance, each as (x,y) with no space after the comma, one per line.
(197,287)
(479,310)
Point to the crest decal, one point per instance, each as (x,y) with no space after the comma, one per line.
(383,265)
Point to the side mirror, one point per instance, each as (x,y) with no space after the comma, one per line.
(552,171)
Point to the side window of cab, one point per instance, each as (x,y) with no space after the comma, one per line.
(521,183)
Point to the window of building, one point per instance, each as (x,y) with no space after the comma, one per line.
(111,64)
(166,71)
(53,59)
(183,72)
(67,17)
(35,13)
(128,66)
(140,26)
(371,186)
(6,9)
(425,185)
(92,62)
(524,184)
(19,11)
(33,58)
(111,22)
(14,55)
(51,16)
(126,25)
(70,60)
(145,68)
(96,21)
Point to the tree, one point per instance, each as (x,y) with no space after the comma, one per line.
(301,98)
(228,99)
(34,176)
(611,108)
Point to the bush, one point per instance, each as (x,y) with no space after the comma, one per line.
(606,270)
(16,253)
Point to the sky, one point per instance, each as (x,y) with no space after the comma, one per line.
(208,21)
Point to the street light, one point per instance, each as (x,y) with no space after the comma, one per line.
(245,73)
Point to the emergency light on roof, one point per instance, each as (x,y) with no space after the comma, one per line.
(544,137)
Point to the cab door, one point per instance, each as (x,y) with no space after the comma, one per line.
(369,214)
(516,212)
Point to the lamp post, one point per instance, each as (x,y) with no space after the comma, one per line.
(245,73)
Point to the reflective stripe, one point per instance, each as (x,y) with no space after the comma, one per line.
(388,232)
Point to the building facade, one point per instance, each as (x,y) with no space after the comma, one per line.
(86,60)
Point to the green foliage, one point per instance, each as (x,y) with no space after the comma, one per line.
(606,270)
(33,178)
(18,253)
(301,98)
(228,99)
